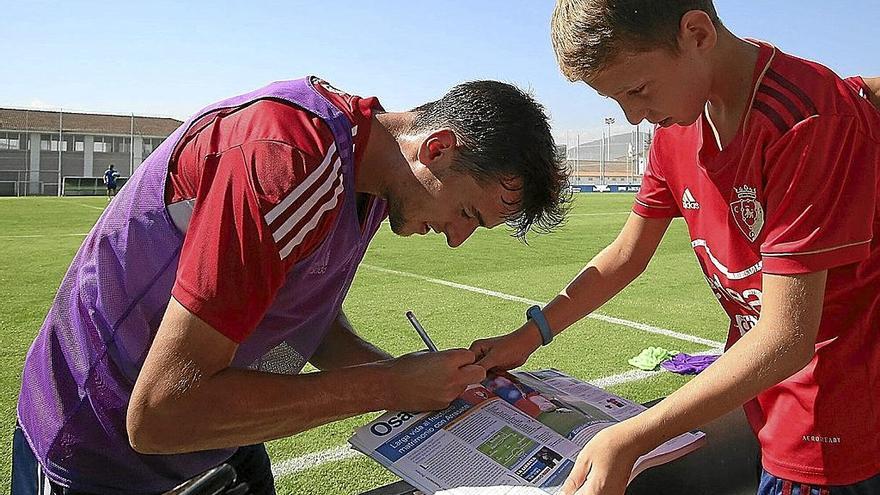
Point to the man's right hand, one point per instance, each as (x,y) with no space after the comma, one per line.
(508,351)
(429,381)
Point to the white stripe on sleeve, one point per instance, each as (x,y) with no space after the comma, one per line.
(311,179)
(304,208)
(328,206)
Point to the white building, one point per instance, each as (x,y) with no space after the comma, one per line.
(38,148)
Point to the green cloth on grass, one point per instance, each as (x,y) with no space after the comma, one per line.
(650,358)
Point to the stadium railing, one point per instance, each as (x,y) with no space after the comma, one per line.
(87,186)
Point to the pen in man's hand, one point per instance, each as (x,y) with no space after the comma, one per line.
(421,331)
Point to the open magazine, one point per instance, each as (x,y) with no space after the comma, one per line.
(517,433)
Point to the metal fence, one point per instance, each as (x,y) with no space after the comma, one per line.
(28,183)
(610,155)
(88,186)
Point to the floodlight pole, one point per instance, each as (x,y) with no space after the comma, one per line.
(608,122)
(60,127)
(635,170)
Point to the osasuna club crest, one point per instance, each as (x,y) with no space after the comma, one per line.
(748,212)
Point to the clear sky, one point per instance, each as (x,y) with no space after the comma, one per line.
(171,58)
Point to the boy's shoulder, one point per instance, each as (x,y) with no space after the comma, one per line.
(809,86)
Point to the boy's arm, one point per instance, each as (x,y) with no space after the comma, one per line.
(782,343)
(608,272)
(604,276)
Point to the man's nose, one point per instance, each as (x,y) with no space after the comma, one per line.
(458,232)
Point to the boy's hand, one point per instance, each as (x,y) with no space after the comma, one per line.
(508,351)
(604,466)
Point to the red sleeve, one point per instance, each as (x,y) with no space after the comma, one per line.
(821,195)
(655,199)
(260,207)
(858,84)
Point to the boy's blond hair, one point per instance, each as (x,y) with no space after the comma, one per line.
(588,34)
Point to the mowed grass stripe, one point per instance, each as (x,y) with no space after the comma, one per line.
(597,316)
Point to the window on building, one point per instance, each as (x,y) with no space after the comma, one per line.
(10,141)
(49,142)
(102,144)
(79,143)
(121,145)
(150,145)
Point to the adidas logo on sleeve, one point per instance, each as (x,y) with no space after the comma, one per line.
(688,202)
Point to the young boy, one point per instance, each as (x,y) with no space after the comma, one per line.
(772,161)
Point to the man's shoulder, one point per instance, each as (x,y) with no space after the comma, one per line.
(272,120)
(356,108)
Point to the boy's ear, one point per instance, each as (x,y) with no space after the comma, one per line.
(697,32)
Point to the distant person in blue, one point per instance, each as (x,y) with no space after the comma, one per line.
(110,176)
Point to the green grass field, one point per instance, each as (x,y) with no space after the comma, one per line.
(39,236)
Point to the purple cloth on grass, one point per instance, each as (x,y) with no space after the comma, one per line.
(685,364)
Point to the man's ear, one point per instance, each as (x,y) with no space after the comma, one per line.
(436,144)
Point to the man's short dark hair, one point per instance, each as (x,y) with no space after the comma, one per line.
(503,135)
(588,34)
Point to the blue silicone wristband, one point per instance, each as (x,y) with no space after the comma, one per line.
(535,314)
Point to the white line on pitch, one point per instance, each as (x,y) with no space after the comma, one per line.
(596,316)
(315,459)
(59,199)
(89,206)
(33,236)
(73,201)
(636,375)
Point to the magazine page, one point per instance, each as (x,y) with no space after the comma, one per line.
(599,404)
(480,441)
(574,413)
(516,433)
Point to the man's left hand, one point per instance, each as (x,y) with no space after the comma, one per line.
(604,466)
